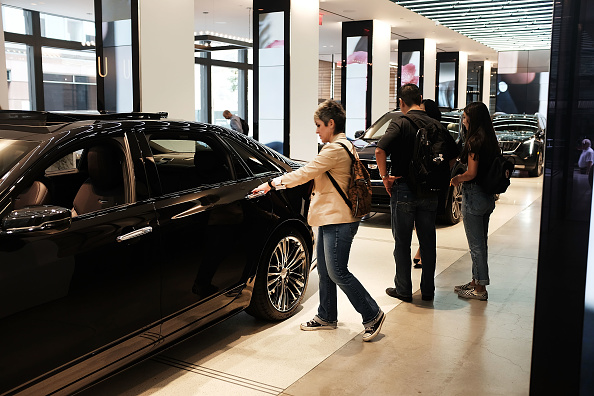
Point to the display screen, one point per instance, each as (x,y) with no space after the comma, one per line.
(522,82)
(356,84)
(410,68)
(446,84)
(271,80)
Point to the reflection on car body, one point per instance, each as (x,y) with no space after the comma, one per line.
(449,209)
(139,234)
(521,138)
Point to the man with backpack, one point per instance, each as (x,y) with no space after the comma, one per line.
(413,183)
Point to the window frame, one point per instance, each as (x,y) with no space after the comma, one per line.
(35,42)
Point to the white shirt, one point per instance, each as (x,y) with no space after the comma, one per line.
(586,156)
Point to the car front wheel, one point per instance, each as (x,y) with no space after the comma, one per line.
(282,277)
(453,210)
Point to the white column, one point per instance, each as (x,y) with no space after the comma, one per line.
(3,82)
(303,98)
(429,72)
(486,99)
(462,79)
(380,88)
(167,57)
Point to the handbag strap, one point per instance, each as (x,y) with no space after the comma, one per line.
(342,194)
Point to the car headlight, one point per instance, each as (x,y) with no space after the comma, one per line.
(530,144)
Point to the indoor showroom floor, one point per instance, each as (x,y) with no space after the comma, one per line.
(450,346)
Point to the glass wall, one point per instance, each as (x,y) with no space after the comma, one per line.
(57,27)
(69,80)
(17,67)
(14,20)
(50,61)
(223,81)
(224,93)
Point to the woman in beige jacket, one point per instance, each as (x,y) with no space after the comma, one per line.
(336,225)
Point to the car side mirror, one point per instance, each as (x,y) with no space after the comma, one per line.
(359,134)
(37,218)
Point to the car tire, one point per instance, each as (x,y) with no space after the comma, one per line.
(538,168)
(282,276)
(453,209)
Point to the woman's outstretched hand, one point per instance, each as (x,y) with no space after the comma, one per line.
(264,187)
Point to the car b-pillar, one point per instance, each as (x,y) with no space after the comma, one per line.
(286,37)
(365,73)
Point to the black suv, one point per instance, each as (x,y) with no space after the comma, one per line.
(521,138)
(449,209)
(121,234)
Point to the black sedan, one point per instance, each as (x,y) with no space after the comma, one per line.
(521,137)
(450,202)
(121,234)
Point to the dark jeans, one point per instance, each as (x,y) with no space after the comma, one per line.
(408,211)
(477,207)
(333,249)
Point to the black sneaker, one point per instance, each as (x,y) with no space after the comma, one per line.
(373,330)
(391,291)
(315,325)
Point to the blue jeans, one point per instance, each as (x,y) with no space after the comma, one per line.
(477,207)
(407,211)
(334,246)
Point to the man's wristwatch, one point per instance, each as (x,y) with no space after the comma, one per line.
(270,184)
(384,176)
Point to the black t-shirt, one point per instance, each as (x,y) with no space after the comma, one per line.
(399,141)
(485,159)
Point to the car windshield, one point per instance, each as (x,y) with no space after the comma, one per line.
(507,124)
(11,151)
(378,129)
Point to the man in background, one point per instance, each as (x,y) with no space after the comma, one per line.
(235,121)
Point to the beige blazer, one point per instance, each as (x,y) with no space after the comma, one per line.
(326,206)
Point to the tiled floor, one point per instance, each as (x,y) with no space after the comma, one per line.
(448,347)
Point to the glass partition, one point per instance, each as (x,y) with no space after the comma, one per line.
(17,67)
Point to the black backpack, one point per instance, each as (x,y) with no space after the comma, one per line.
(244,126)
(358,196)
(429,169)
(496,181)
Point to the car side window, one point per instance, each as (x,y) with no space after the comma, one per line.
(184,163)
(254,161)
(85,179)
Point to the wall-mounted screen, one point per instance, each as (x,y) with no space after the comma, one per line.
(447,85)
(356,84)
(271,81)
(411,68)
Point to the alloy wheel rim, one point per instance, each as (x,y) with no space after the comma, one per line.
(457,202)
(287,274)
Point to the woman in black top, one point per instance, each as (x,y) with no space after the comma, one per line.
(480,149)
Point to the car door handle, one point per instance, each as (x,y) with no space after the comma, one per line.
(255,195)
(134,234)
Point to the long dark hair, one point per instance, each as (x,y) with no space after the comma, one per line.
(480,134)
(432,109)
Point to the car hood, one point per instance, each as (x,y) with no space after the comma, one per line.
(366,150)
(513,136)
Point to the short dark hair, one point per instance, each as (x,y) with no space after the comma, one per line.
(410,94)
(331,110)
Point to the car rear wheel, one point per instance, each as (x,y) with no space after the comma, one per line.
(453,210)
(282,277)
(538,168)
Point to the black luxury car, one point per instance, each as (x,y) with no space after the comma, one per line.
(521,137)
(121,234)
(450,202)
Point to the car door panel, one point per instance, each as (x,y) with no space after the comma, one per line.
(78,299)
